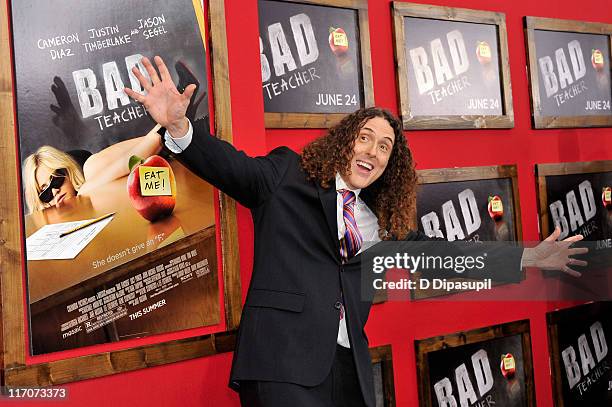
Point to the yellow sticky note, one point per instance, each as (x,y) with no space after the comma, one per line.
(340,39)
(497,206)
(485,50)
(154,181)
(598,58)
(608,195)
(509,363)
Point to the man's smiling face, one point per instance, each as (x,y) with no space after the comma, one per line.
(371,153)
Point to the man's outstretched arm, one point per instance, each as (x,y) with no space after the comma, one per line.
(248,180)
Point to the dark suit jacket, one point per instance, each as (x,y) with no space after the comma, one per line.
(289,323)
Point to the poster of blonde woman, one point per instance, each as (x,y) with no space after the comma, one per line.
(119,236)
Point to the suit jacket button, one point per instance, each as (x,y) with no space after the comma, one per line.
(338,305)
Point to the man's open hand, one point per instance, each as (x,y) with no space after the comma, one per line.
(166,105)
(553,255)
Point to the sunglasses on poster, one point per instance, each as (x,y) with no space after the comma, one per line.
(56,180)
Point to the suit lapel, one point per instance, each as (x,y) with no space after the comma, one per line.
(328,201)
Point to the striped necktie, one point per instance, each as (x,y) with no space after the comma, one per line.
(351,242)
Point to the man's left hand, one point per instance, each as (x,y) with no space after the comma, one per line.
(553,255)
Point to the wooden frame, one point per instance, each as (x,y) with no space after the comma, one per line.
(458,339)
(573,315)
(414,122)
(433,176)
(325,120)
(544,170)
(549,24)
(384,356)
(14,368)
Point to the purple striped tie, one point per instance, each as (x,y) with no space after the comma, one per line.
(351,243)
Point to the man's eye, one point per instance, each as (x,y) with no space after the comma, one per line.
(364,138)
(384,147)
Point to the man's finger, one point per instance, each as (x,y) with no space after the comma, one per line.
(554,235)
(134,95)
(150,70)
(573,273)
(144,82)
(575,238)
(577,250)
(576,262)
(163,69)
(189,91)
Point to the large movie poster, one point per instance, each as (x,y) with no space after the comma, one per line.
(120,237)
(310,58)
(579,339)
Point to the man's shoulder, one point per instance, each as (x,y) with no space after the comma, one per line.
(284,150)
(286,155)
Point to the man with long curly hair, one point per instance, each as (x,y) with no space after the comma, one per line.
(301,340)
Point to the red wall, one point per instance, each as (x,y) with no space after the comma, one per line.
(202,382)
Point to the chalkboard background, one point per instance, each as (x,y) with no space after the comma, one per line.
(570,324)
(36,70)
(431,197)
(594,85)
(557,186)
(328,75)
(480,81)
(507,393)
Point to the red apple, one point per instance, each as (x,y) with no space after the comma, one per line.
(508,365)
(495,207)
(483,52)
(606,197)
(597,60)
(338,41)
(151,208)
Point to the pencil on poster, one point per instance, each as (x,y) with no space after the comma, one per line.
(84,225)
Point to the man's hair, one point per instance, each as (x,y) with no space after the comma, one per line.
(392,196)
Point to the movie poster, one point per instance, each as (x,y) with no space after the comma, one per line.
(119,236)
(478,210)
(582,364)
(473,374)
(453,68)
(310,58)
(489,366)
(573,73)
(580,204)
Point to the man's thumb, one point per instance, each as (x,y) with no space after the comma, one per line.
(554,235)
(189,91)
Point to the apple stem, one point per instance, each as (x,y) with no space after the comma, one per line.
(331,29)
(134,161)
